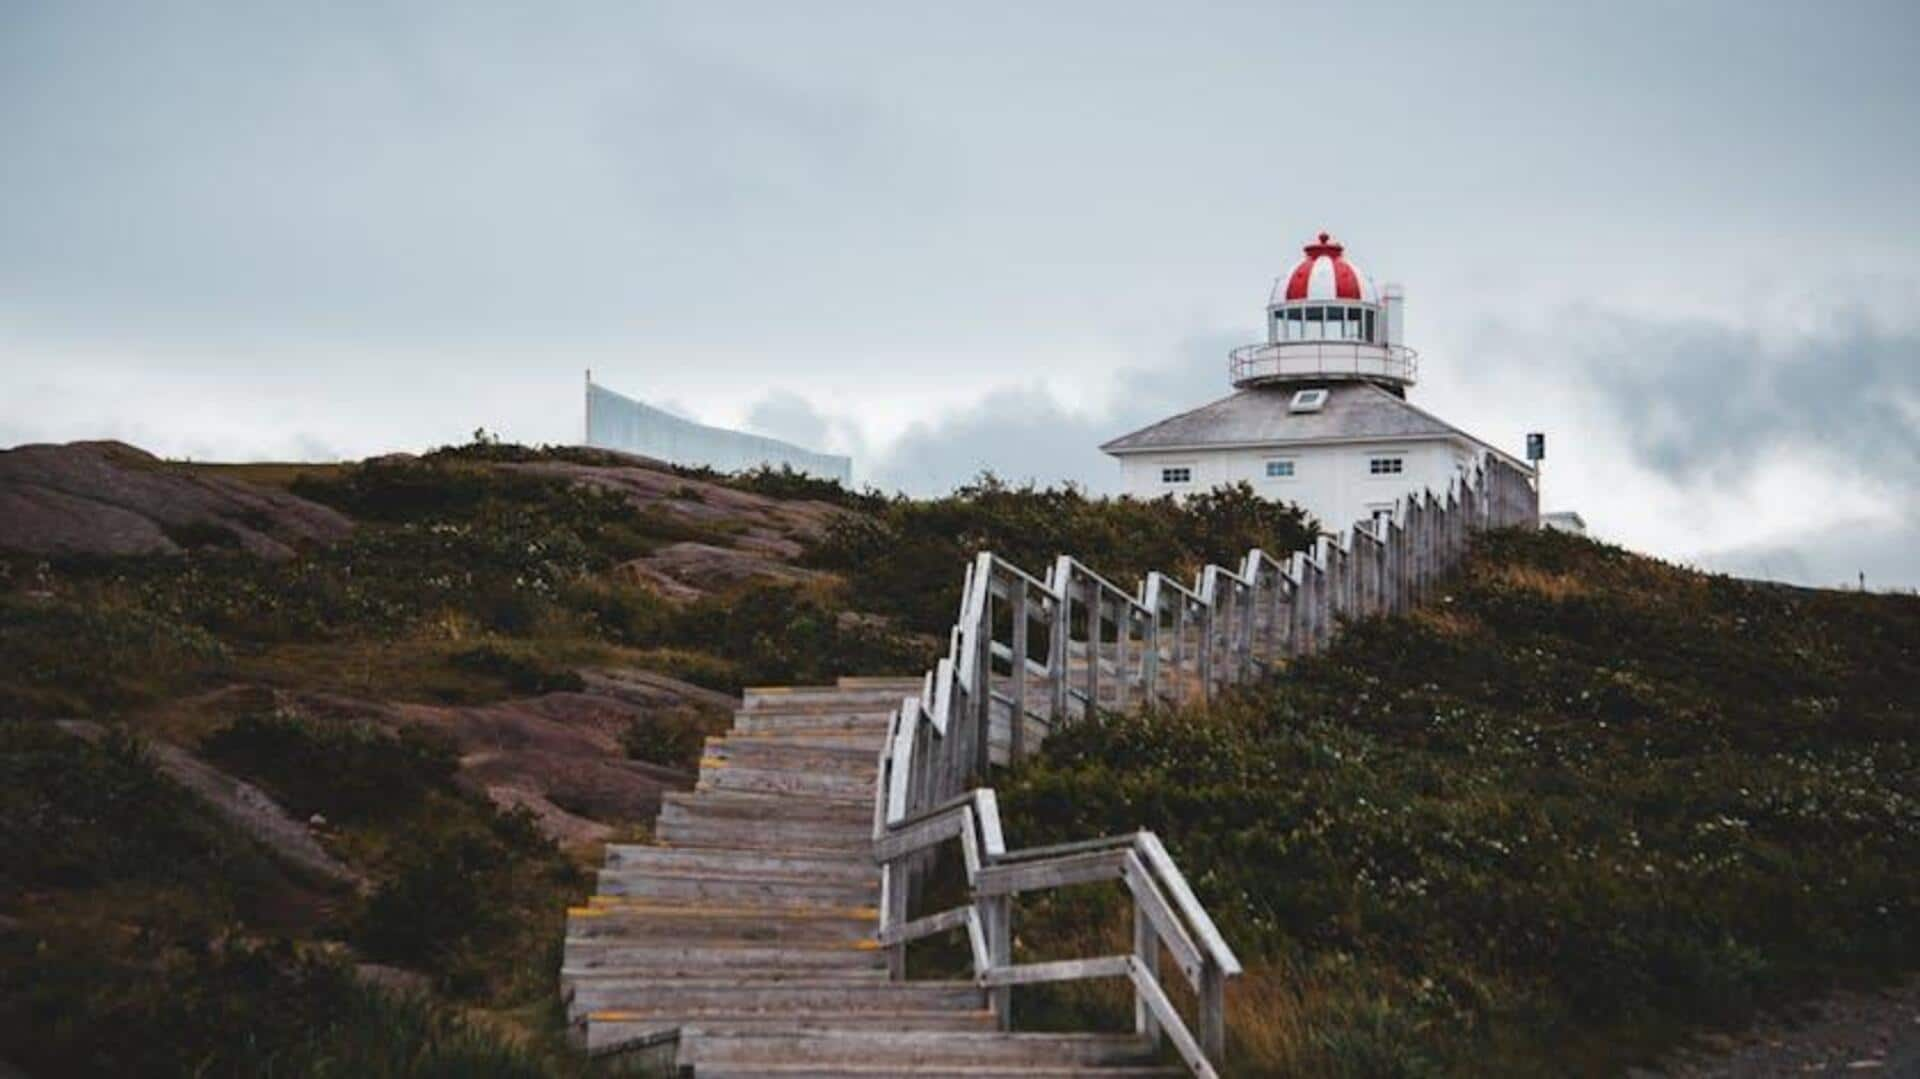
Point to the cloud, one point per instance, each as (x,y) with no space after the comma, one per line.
(1025,432)
(786,415)
(1840,556)
(1787,453)
(1700,401)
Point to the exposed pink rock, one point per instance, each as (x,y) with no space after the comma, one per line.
(685,571)
(108,498)
(558,755)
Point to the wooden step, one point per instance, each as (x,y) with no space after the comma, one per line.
(903,682)
(882,696)
(830,838)
(744,996)
(633,858)
(610,1028)
(825,958)
(641,921)
(908,1048)
(853,727)
(936,1072)
(719,775)
(751,749)
(742,888)
(788,808)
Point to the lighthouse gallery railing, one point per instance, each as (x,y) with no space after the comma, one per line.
(1031,654)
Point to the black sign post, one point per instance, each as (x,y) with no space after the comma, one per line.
(1536,452)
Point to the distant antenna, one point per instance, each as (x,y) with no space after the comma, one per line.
(586,435)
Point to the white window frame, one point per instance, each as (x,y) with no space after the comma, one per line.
(1376,463)
(1166,473)
(1380,514)
(1292,473)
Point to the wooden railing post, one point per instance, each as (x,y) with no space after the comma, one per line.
(1093,607)
(1017,734)
(997,912)
(1213,1011)
(1146,948)
(894,895)
(1059,650)
(1204,666)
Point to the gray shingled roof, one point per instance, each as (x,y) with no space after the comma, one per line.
(1354,410)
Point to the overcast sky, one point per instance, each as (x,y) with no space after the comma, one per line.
(1682,239)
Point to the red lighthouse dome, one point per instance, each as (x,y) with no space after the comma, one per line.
(1325,274)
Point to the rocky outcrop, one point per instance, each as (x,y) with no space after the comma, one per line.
(108,498)
(763,535)
(245,806)
(559,755)
(686,571)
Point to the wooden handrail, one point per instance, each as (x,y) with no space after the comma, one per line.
(940,743)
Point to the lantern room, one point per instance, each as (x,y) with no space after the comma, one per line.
(1326,322)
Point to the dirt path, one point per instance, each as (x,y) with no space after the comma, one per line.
(1863,1034)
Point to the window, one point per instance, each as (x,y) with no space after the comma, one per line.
(1386,466)
(1279,470)
(1316,329)
(1182,474)
(1296,324)
(1307,401)
(1370,336)
(1353,324)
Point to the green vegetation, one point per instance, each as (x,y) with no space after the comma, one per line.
(69,1006)
(910,555)
(497,580)
(1581,803)
(144,937)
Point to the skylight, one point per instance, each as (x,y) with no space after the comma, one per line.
(1307,401)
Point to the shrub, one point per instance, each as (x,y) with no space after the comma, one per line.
(910,556)
(777,634)
(672,737)
(470,895)
(77,814)
(73,1005)
(64,658)
(523,672)
(345,770)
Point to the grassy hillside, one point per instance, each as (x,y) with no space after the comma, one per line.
(1583,804)
(140,933)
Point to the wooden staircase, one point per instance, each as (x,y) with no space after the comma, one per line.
(743,943)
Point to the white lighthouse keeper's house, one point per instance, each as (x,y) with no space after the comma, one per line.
(1319,416)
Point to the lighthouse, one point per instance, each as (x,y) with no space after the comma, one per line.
(1319,415)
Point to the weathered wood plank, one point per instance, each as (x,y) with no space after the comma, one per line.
(1169,876)
(1176,1028)
(1059,970)
(926,927)
(1150,904)
(1050,873)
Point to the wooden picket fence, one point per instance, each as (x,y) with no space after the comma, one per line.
(1030,655)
